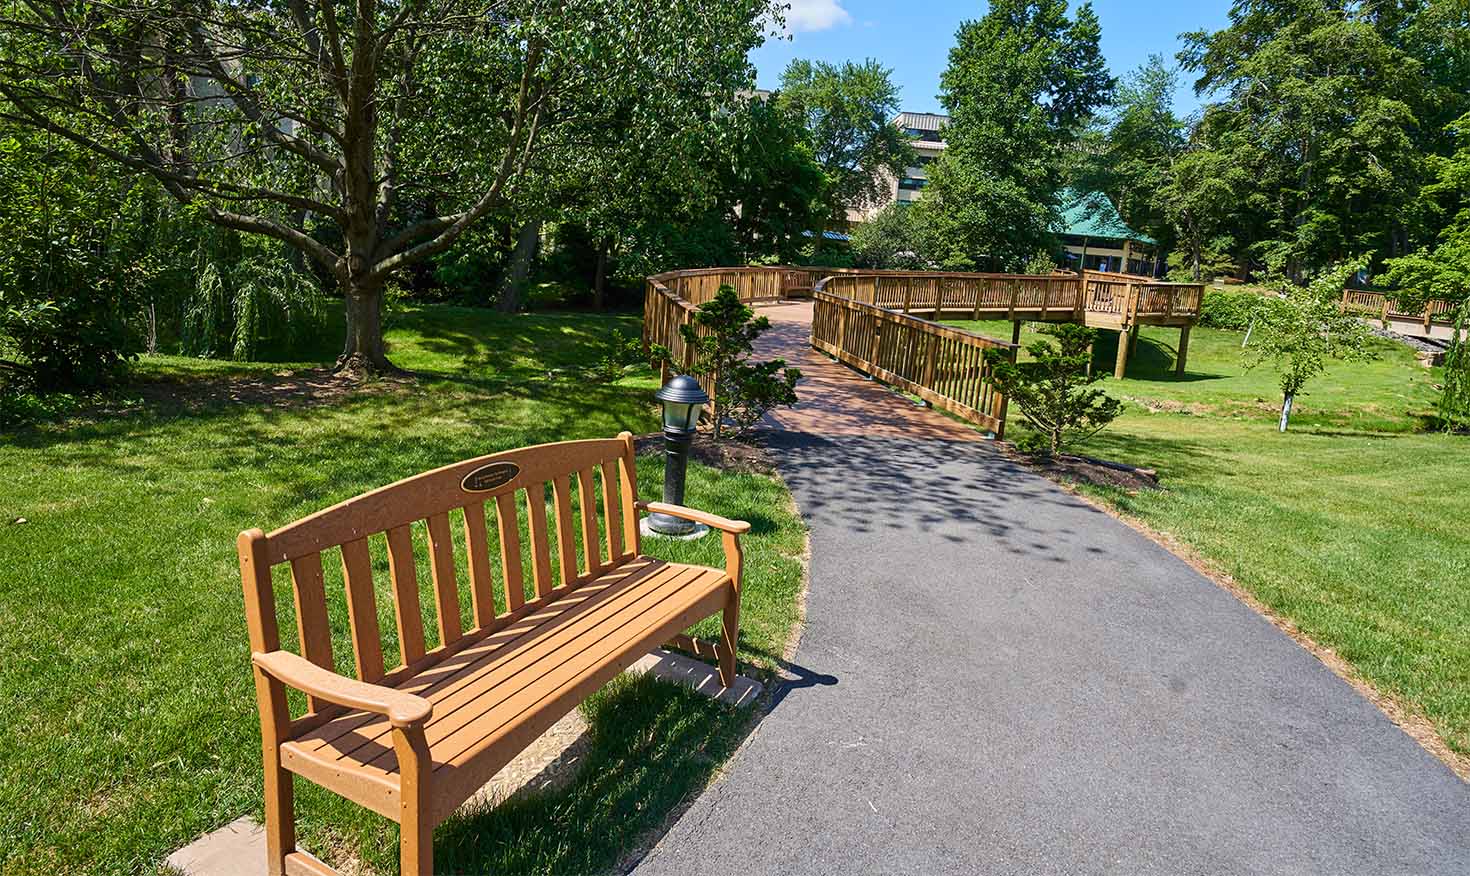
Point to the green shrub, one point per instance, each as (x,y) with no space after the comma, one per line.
(722,335)
(1053,390)
(1234,311)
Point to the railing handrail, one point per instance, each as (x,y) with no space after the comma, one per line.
(1372,301)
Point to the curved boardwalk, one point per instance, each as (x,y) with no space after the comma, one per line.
(997,678)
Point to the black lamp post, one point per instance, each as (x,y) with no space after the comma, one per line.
(682,398)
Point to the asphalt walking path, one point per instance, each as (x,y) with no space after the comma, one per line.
(995,677)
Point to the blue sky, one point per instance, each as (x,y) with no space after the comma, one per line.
(913,38)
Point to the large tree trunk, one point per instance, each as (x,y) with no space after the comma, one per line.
(599,279)
(516,277)
(362,352)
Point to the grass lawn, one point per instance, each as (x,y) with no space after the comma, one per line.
(1353,524)
(130,715)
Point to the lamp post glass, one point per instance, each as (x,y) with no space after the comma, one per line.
(682,399)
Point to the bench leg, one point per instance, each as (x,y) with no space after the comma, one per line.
(280,818)
(416,850)
(729,635)
(415,830)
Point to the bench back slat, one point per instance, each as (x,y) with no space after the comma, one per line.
(510,549)
(611,517)
(436,497)
(587,503)
(362,609)
(540,546)
(446,586)
(566,541)
(313,630)
(477,547)
(632,536)
(406,608)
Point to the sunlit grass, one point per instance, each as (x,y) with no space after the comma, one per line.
(130,716)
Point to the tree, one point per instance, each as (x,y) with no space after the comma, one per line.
(1053,391)
(1323,107)
(847,112)
(369,135)
(891,239)
(1306,329)
(769,181)
(1020,82)
(1129,151)
(1443,271)
(722,335)
(1199,197)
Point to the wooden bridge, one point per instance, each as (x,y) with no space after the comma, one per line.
(1436,320)
(885,323)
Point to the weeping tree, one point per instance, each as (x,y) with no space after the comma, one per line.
(367,134)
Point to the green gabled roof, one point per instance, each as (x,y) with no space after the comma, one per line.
(1093,215)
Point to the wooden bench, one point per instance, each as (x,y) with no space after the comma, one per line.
(414,742)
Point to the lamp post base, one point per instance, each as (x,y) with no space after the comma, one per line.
(690,531)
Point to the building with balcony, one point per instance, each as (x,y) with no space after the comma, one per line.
(927,132)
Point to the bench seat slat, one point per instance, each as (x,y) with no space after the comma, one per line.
(491,688)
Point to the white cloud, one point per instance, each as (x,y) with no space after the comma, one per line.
(810,15)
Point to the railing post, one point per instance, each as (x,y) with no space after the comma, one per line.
(908,291)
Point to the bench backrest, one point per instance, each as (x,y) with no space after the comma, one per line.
(552,488)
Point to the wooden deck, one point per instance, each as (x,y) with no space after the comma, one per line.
(886,323)
(1097,299)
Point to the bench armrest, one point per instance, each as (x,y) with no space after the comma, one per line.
(401,709)
(713,521)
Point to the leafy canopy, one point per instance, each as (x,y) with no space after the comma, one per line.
(1020,81)
(846,111)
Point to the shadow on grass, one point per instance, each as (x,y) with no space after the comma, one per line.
(1151,360)
(653,747)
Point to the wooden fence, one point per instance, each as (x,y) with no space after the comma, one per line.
(698,285)
(943,365)
(864,318)
(1113,300)
(1376,304)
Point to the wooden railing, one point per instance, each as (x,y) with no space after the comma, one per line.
(1047,297)
(698,285)
(864,318)
(670,300)
(943,365)
(1436,311)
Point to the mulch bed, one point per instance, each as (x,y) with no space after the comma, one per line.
(734,456)
(1069,468)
